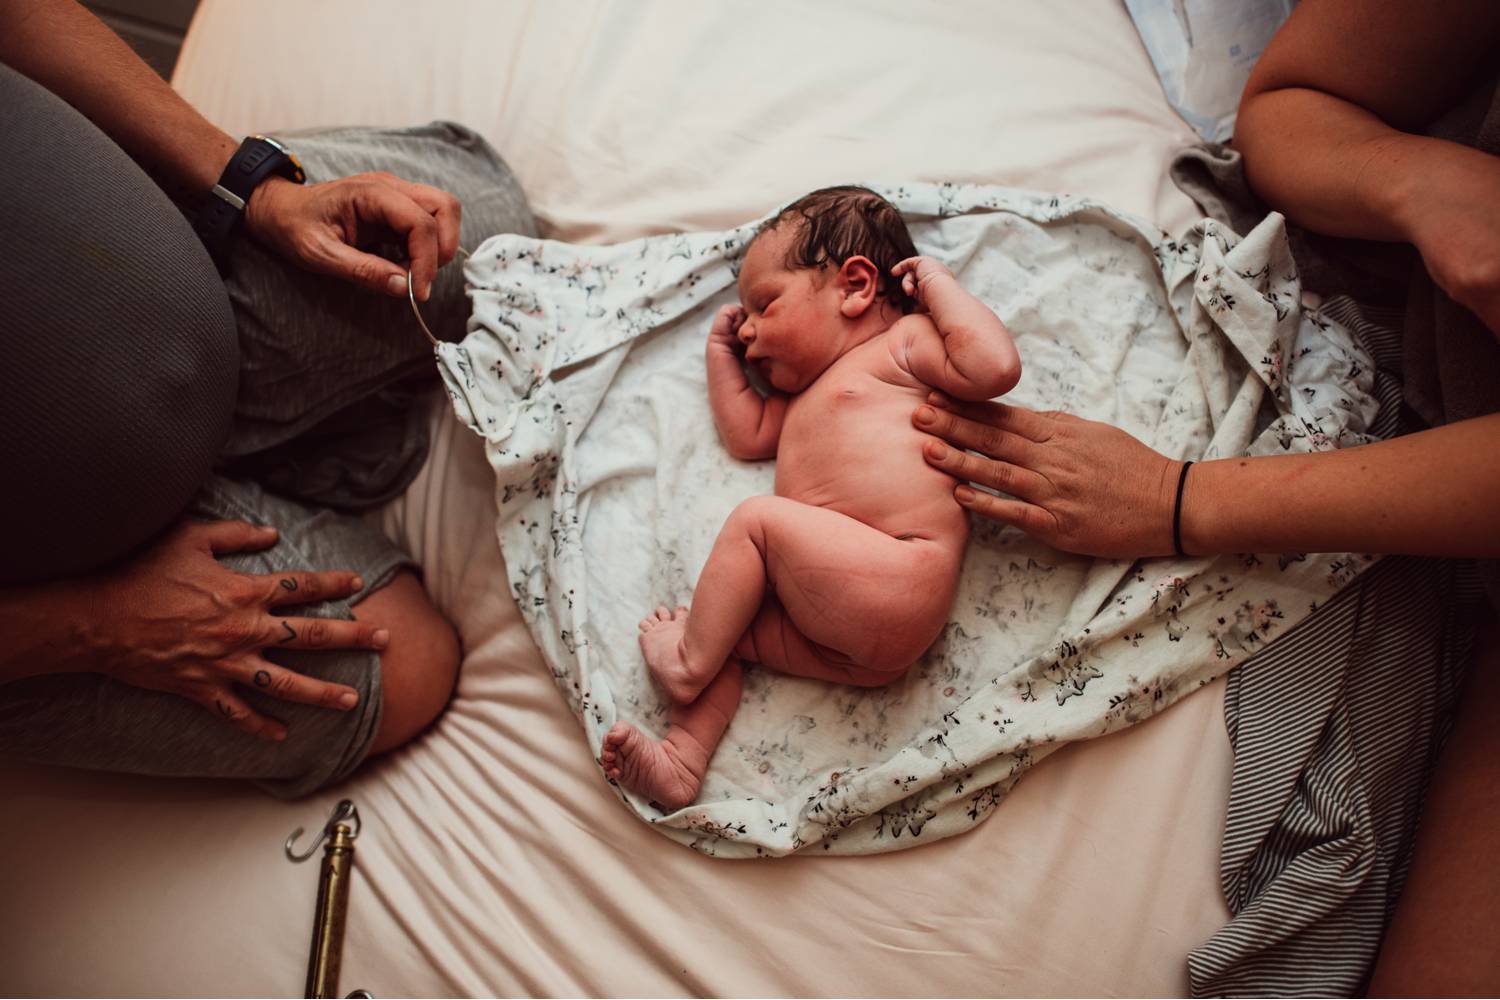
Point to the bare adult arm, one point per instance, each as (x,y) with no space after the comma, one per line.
(1327,127)
(66,49)
(174,619)
(1087,487)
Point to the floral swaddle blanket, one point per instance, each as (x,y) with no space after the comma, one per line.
(583,371)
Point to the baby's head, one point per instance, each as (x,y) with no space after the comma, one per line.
(823,230)
(816,278)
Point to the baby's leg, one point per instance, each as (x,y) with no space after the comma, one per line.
(774,641)
(685,649)
(848,587)
(669,771)
(849,603)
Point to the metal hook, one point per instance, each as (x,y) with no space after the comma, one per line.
(344,811)
(411,296)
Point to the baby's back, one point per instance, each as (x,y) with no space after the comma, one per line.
(848,444)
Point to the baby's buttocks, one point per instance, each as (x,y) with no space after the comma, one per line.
(848,586)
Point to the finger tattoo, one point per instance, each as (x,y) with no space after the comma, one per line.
(288,584)
(291,633)
(262,678)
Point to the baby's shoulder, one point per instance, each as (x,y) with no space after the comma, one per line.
(917,322)
(905,334)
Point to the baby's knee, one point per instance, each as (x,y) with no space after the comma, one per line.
(751,514)
(419,668)
(750,519)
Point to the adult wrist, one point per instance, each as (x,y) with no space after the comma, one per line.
(260,213)
(1398,191)
(1196,511)
(51,628)
(221,211)
(1425,175)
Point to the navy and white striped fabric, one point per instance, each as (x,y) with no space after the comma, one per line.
(1335,730)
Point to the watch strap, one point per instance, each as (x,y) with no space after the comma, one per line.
(218,217)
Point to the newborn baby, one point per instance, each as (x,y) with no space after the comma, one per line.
(847,574)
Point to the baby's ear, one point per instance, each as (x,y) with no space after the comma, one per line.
(859,281)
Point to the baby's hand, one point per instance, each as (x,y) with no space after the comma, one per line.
(727,325)
(915,273)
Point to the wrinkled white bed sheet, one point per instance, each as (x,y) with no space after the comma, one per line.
(495,860)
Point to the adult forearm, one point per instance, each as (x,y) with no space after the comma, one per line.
(1433,493)
(45,627)
(76,56)
(1336,168)
(1321,161)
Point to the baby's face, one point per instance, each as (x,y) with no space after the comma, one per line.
(790,330)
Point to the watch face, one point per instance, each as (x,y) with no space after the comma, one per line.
(296,173)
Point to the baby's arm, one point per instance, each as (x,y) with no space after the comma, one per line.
(959,346)
(749,425)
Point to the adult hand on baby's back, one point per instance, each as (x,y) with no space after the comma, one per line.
(174,619)
(1078,485)
(323,227)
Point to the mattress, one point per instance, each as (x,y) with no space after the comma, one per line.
(494,859)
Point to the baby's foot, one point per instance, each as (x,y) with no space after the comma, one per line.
(653,768)
(661,642)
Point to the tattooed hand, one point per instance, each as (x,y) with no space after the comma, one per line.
(175,619)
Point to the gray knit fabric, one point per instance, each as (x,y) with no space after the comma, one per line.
(120,359)
(90,721)
(129,378)
(342,426)
(130,375)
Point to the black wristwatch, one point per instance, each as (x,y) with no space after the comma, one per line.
(218,218)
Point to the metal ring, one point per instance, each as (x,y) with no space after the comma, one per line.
(411,296)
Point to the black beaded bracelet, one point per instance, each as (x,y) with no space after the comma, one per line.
(1177,510)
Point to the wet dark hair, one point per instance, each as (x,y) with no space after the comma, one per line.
(836,223)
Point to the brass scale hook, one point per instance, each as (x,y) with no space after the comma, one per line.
(334,874)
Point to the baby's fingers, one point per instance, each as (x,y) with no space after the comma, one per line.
(234,710)
(727,321)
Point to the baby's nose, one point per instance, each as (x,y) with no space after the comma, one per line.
(746,332)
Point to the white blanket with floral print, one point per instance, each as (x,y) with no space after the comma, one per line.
(583,371)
